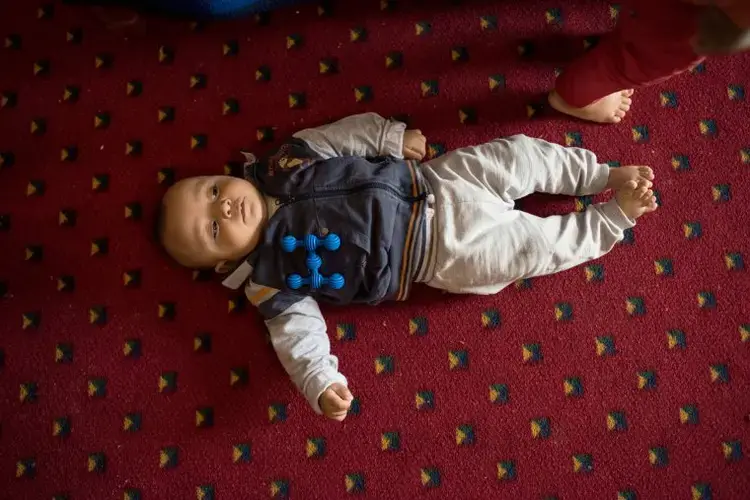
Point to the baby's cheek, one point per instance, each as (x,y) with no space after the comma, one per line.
(238,239)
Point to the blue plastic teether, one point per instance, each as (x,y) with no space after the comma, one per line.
(313,261)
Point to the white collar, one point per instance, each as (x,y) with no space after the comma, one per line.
(239,276)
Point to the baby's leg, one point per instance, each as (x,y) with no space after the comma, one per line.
(581,237)
(648,48)
(481,252)
(517,166)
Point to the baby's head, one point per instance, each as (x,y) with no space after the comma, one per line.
(211,221)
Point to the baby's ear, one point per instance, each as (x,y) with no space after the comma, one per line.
(224,266)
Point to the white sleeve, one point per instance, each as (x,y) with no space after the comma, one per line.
(366,135)
(299,337)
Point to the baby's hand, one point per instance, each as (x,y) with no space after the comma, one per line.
(415,145)
(335,401)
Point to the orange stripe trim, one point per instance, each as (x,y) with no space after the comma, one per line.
(414,186)
(409,234)
(405,260)
(258,297)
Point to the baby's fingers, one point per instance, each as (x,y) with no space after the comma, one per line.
(339,405)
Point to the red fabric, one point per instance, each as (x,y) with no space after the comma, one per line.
(693,130)
(646,48)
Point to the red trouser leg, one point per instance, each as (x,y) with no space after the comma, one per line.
(651,46)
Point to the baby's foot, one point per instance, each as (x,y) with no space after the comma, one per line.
(620,176)
(635,200)
(609,109)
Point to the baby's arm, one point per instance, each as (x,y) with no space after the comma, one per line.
(299,337)
(367,135)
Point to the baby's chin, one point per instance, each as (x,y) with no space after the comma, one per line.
(259,210)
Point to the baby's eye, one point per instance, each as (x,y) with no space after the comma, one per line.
(214,229)
(215,192)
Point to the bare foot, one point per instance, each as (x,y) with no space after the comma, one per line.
(619,176)
(609,109)
(635,200)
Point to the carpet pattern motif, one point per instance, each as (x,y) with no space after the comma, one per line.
(122,376)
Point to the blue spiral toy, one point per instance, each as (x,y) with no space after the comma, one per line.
(221,8)
(314,280)
(194,9)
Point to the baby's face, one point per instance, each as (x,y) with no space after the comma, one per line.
(208,220)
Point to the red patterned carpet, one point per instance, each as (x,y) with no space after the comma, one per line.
(122,376)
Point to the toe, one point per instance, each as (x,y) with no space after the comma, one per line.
(627,100)
(624,108)
(628,92)
(619,113)
(647,173)
(631,185)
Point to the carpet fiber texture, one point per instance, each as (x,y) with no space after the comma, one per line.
(123,376)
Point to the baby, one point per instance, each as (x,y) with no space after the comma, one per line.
(346,214)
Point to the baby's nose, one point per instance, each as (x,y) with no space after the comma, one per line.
(226,208)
